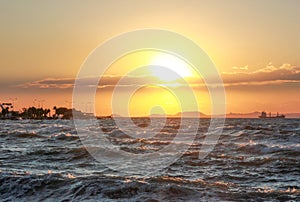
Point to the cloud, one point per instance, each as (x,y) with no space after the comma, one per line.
(240,68)
(111,81)
(49,83)
(267,75)
(104,82)
(264,76)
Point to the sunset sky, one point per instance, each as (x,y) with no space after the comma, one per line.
(254,44)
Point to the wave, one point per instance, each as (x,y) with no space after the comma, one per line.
(68,187)
(19,134)
(26,134)
(61,187)
(253,160)
(61,153)
(64,136)
(256,162)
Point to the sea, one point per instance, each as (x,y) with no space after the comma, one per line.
(48,160)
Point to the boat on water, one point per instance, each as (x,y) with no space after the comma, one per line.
(270,116)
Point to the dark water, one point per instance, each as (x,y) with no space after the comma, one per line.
(254,160)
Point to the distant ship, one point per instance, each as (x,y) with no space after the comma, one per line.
(277,116)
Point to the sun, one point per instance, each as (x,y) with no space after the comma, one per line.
(175,68)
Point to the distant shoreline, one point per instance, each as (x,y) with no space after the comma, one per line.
(71,113)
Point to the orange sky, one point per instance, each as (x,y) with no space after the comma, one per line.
(254,44)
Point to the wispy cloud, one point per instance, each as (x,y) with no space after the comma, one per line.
(104,82)
(49,83)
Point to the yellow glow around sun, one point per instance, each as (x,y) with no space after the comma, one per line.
(159,69)
(178,67)
(148,98)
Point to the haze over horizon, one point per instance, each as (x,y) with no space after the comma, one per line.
(254,44)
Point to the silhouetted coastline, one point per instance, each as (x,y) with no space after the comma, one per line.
(39,113)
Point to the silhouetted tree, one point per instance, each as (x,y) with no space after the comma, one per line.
(35,113)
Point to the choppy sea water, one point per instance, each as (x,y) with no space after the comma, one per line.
(254,160)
